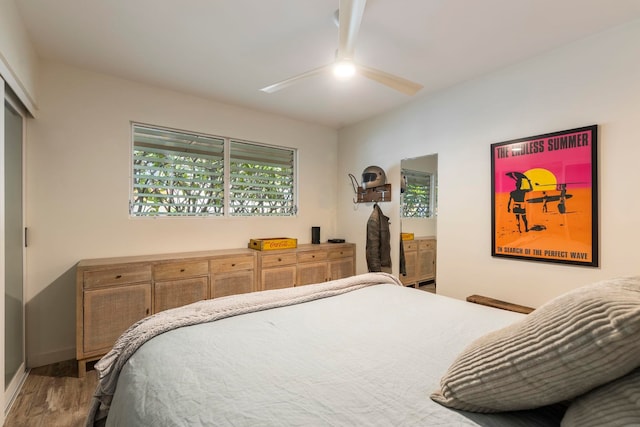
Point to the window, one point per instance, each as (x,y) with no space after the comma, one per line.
(261,180)
(418,198)
(176,173)
(179,173)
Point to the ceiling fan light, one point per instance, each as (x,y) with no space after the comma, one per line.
(344,69)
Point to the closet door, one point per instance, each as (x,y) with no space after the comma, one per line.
(14,357)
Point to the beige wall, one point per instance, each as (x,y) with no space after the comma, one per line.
(78,187)
(594,81)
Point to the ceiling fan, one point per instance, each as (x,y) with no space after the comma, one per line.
(350,14)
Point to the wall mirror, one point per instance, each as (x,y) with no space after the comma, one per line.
(418,221)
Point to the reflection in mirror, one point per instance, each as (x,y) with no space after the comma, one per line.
(419,200)
(418,214)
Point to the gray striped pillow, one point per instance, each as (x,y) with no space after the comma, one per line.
(575,342)
(615,404)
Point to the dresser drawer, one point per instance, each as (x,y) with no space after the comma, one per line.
(341,253)
(309,256)
(226,265)
(273,260)
(410,245)
(176,270)
(427,244)
(116,276)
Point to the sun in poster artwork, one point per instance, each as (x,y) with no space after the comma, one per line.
(541,179)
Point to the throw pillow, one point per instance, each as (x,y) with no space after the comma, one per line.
(575,342)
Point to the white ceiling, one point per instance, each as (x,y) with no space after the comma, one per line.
(228,49)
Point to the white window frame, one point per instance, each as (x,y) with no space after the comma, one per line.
(226,181)
(281,197)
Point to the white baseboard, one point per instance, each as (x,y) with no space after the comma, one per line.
(13,389)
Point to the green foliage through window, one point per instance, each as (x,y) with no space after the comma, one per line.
(418,197)
(183,174)
(261,180)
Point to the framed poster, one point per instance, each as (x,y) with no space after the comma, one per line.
(544,197)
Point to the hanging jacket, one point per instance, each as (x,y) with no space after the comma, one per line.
(378,248)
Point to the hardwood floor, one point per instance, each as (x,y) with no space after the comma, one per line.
(53,396)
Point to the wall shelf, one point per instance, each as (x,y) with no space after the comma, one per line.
(376,194)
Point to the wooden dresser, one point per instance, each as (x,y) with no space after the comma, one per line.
(114,293)
(420,260)
(305,265)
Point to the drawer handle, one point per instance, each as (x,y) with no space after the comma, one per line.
(279,259)
(119,276)
(182,270)
(147,311)
(233,265)
(313,256)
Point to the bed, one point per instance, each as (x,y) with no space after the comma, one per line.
(353,352)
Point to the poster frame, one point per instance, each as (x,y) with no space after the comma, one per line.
(537,155)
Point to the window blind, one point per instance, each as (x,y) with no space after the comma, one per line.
(176,173)
(261,180)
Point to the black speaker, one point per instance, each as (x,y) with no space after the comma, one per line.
(315,235)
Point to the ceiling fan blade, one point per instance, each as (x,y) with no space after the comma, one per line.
(350,14)
(398,83)
(291,80)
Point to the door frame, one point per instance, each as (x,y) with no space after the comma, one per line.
(11,391)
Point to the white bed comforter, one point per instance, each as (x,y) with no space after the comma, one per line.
(110,365)
(370,355)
